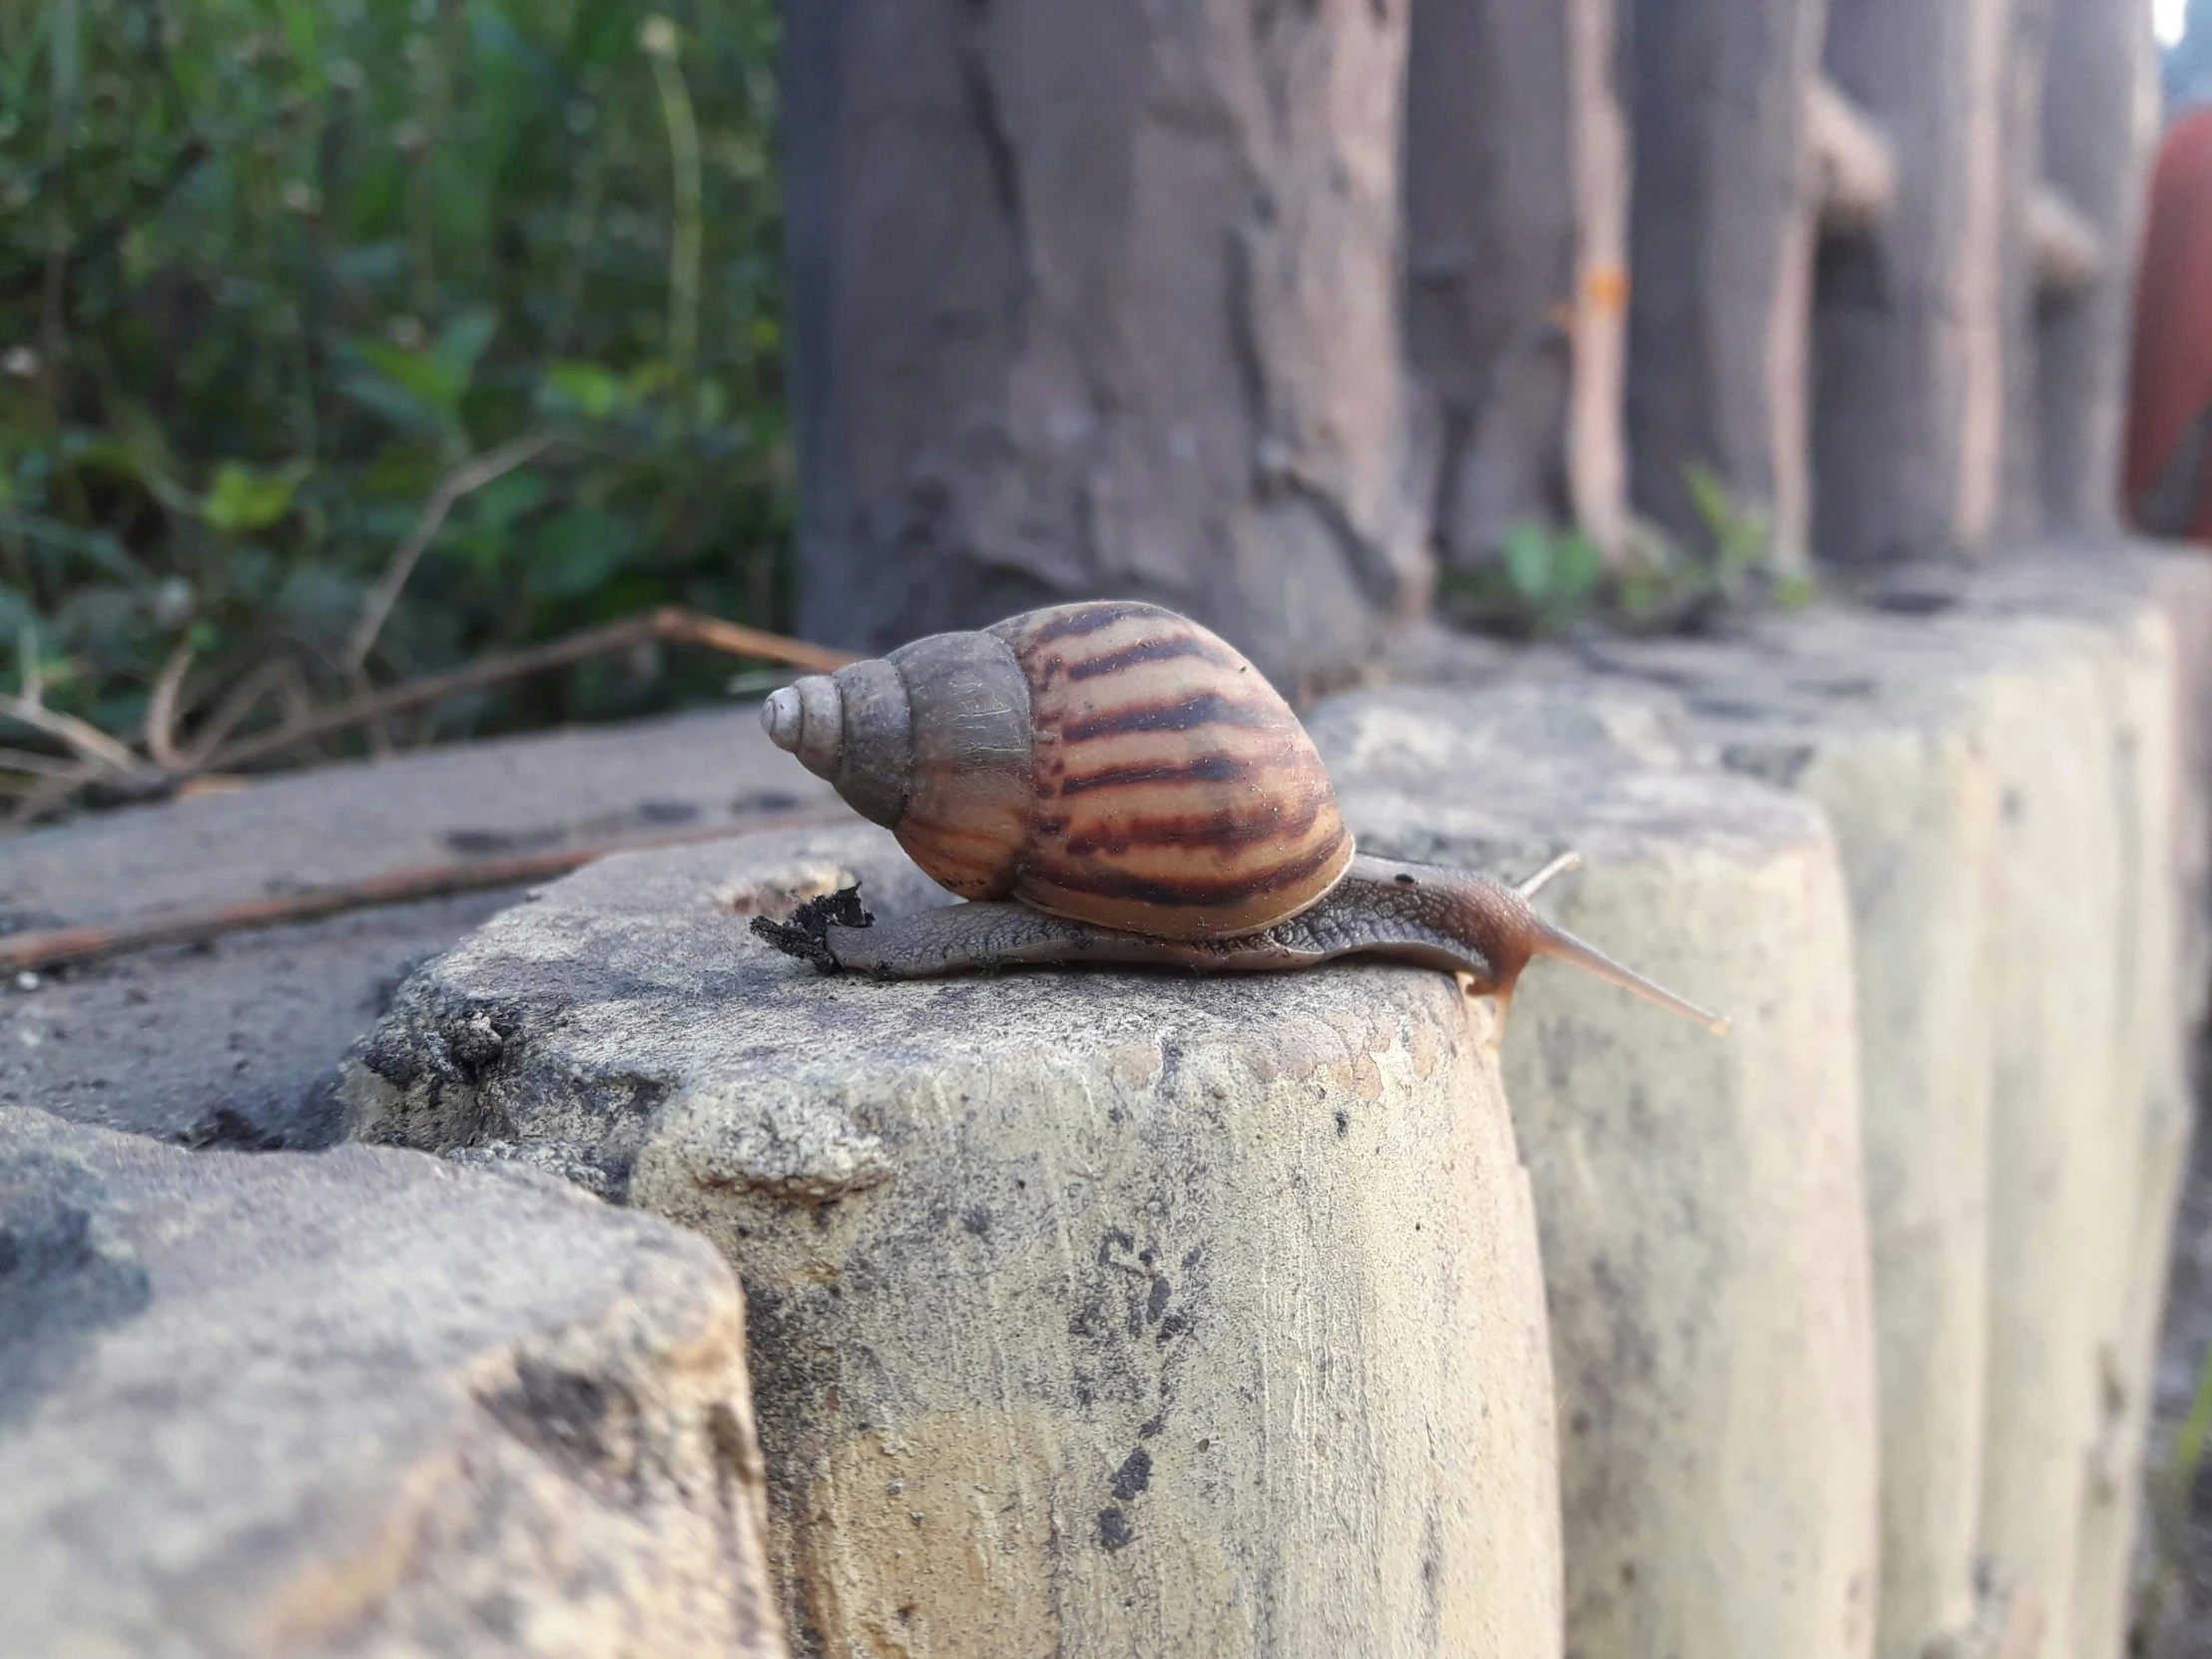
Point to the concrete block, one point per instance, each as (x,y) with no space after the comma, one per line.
(1093,1313)
(2031,736)
(1701,1202)
(1876,721)
(2111,620)
(363,1403)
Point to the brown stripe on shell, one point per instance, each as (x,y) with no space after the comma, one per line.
(1224,828)
(1188,910)
(1183,715)
(1068,622)
(1157,650)
(1186,890)
(1182,798)
(1206,769)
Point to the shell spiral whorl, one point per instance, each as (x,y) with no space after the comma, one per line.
(1112,762)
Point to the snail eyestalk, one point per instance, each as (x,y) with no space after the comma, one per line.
(1542,879)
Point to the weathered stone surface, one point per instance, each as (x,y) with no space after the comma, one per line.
(1101,301)
(236,1043)
(1517,229)
(2105,783)
(1700,1200)
(1908,380)
(361,1404)
(1093,1313)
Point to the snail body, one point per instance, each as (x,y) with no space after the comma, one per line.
(1112,783)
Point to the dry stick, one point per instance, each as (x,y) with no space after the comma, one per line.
(470,475)
(55,946)
(668,623)
(35,765)
(244,697)
(160,709)
(86,740)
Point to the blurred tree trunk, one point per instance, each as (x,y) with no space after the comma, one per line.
(2100,120)
(2019,513)
(1094,298)
(1721,242)
(1516,202)
(1908,341)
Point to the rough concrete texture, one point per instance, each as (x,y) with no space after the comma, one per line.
(338,1406)
(1093,1313)
(1700,1200)
(1101,301)
(2100,1155)
(236,1043)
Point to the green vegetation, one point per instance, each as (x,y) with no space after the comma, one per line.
(1550,581)
(293,289)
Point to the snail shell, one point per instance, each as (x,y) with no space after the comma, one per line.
(1111,762)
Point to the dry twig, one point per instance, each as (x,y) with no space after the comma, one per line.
(470,475)
(102,760)
(160,709)
(670,623)
(81,736)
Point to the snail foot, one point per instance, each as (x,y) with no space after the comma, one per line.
(805,934)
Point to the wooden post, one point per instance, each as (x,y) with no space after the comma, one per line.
(1096,299)
(1908,379)
(1516,208)
(1721,236)
(2100,117)
(2028,49)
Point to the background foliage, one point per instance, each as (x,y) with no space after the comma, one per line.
(271,271)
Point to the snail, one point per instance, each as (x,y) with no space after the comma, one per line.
(1112,783)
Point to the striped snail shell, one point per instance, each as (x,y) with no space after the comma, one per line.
(1110,763)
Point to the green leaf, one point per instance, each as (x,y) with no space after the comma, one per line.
(410,387)
(1709,498)
(1575,568)
(590,390)
(578,550)
(241,499)
(1527,553)
(505,499)
(462,343)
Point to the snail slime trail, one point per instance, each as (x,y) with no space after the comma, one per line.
(1110,782)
